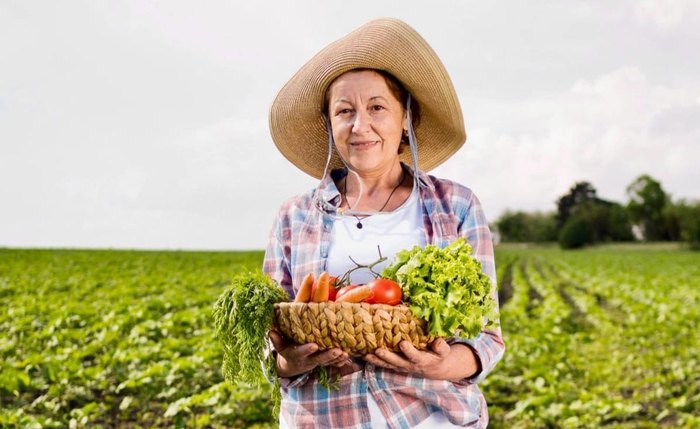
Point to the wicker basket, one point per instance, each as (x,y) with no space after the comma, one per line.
(355,328)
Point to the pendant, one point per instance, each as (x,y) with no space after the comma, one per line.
(359,225)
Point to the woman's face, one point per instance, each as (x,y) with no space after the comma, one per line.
(367,121)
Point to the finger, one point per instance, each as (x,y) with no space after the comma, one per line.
(339,364)
(440,347)
(303,351)
(376,361)
(411,353)
(277,340)
(299,351)
(328,356)
(341,360)
(393,359)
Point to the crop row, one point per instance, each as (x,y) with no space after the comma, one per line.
(597,339)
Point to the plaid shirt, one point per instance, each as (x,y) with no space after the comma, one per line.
(299,243)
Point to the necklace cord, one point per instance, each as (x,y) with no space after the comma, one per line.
(359,220)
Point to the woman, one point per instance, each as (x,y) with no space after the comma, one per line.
(346,118)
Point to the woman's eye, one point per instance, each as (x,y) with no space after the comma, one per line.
(344,112)
(377,108)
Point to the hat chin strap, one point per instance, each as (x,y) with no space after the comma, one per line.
(329,131)
(322,205)
(331,143)
(412,143)
(351,210)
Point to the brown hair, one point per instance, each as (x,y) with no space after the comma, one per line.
(397,90)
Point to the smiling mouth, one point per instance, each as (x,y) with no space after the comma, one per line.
(363,145)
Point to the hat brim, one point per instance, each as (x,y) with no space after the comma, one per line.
(296,116)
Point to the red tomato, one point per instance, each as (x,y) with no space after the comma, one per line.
(385,292)
(335,286)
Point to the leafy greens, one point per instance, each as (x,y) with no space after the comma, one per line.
(446,287)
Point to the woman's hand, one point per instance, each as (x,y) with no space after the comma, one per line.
(442,362)
(294,359)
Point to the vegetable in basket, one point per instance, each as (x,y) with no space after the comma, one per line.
(446,287)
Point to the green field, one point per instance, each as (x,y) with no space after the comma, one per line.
(598,338)
(604,337)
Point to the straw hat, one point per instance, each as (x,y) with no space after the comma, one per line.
(296,119)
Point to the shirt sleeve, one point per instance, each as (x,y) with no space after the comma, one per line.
(488,346)
(276,264)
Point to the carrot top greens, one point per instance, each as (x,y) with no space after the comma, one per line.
(243,315)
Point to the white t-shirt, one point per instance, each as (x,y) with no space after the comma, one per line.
(391,231)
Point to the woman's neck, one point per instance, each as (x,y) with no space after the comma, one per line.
(380,192)
(375,183)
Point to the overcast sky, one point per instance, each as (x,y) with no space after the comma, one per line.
(143,124)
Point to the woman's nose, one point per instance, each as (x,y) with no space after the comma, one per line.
(362,121)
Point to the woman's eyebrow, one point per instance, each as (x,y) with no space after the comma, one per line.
(345,100)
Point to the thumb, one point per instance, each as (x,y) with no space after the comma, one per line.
(441,347)
(276,340)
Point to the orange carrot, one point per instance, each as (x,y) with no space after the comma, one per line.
(356,295)
(321,288)
(304,292)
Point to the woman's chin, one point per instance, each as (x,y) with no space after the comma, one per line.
(364,165)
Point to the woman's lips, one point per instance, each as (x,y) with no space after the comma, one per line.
(363,145)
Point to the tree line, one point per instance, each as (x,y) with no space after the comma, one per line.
(582,218)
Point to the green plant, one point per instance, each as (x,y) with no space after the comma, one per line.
(243,316)
(575,233)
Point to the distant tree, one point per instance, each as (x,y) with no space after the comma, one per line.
(687,215)
(594,214)
(608,220)
(619,224)
(511,226)
(690,226)
(576,233)
(543,227)
(580,193)
(647,200)
(605,220)
(672,220)
(523,227)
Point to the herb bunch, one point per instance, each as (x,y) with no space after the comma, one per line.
(243,315)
